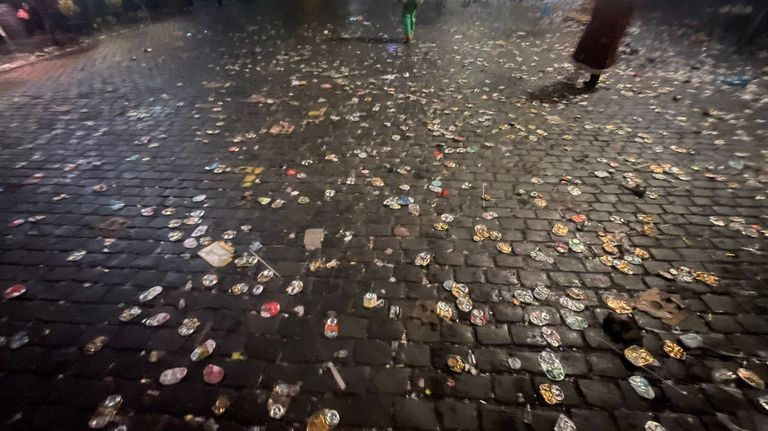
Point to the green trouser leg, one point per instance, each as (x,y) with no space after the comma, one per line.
(409,20)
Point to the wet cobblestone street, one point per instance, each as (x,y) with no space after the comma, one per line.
(352,165)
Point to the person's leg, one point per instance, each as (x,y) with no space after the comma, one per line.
(593,79)
(413,24)
(50,27)
(407,23)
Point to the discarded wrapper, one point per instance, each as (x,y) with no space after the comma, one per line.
(217,254)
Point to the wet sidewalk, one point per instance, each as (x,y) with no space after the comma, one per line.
(445,235)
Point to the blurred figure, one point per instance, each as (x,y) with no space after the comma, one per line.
(409,18)
(599,45)
(48,10)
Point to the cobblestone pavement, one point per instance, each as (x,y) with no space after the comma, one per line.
(472,121)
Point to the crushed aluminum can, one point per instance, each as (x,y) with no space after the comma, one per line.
(423,259)
(76,255)
(464,304)
(95,344)
(175,235)
(210,280)
(654,426)
(168,211)
(238,289)
(199,198)
(575,322)
(188,326)
(707,278)
(514,363)
(172,376)
(106,412)
(537,255)
(504,247)
(174,223)
(190,243)
(150,293)
(541,293)
(199,231)
(623,266)
(229,234)
(213,374)
(221,405)
(331,328)
(751,378)
(394,312)
(494,235)
(414,209)
(257,289)
(564,424)
(203,350)
(479,317)
(539,317)
(642,387)
(638,356)
(606,260)
(448,285)
(481,233)
(561,247)
(525,296)
(763,400)
(269,309)
(571,304)
(552,367)
(456,364)
(552,336)
(370,300)
(674,350)
(447,218)
(444,311)
(129,313)
(551,393)
(641,253)
(149,211)
(323,420)
(577,245)
(560,229)
(459,290)
(18,340)
(634,260)
(294,287)
(618,304)
(576,293)
(723,375)
(540,202)
(265,276)
(578,218)
(14,291)
(490,215)
(280,399)
(157,320)
(441,226)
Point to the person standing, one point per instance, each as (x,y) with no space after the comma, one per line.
(48,10)
(598,47)
(409,18)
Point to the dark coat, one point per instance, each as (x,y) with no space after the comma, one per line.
(599,45)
